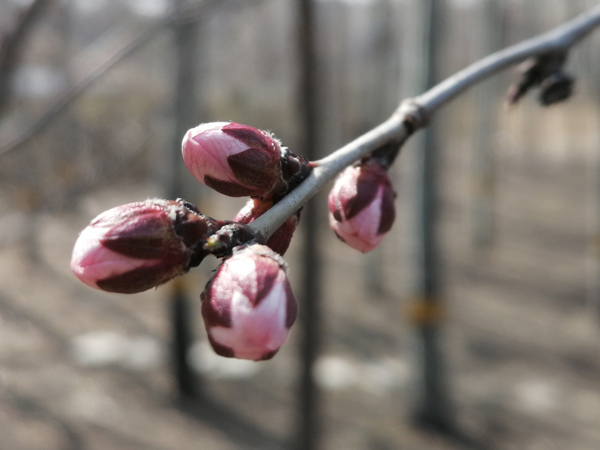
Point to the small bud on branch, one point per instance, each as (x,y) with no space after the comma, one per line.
(248,306)
(361,206)
(234,160)
(239,161)
(556,88)
(137,246)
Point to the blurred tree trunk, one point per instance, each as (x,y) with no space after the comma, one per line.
(432,407)
(593,260)
(181,311)
(485,124)
(378,103)
(594,249)
(309,430)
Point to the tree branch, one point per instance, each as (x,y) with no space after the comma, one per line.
(414,113)
(557,40)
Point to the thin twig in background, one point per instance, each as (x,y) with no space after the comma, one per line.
(11,46)
(194,13)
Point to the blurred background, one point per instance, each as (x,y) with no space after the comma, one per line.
(475,324)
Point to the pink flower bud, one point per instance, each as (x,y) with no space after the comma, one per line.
(134,247)
(361,206)
(248,306)
(233,159)
(281,238)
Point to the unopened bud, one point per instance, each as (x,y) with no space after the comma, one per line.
(248,306)
(556,88)
(137,246)
(233,159)
(527,75)
(280,240)
(542,70)
(361,206)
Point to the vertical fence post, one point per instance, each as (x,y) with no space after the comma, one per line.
(376,101)
(432,402)
(593,264)
(181,312)
(485,119)
(309,421)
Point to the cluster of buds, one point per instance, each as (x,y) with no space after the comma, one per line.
(545,72)
(238,160)
(361,205)
(248,305)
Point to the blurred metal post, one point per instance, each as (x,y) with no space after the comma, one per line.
(485,122)
(593,292)
(593,257)
(182,338)
(307,437)
(181,312)
(377,102)
(593,260)
(432,409)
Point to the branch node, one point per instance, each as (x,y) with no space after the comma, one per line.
(413,115)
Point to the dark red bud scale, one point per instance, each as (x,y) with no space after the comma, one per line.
(252,137)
